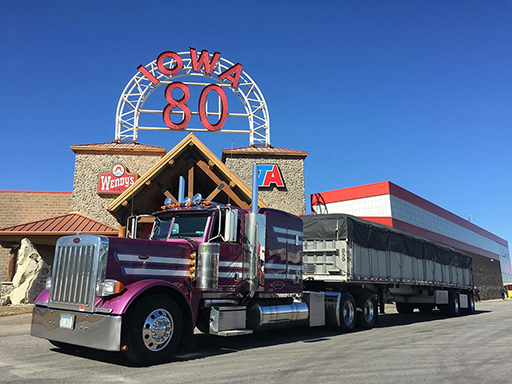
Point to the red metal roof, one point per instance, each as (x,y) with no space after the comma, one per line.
(36,192)
(70,223)
(263,151)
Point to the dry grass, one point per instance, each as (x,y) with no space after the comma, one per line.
(9,310)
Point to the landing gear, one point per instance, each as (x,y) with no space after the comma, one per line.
(426,308)
(404,308)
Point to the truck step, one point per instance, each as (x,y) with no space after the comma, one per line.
(232,332)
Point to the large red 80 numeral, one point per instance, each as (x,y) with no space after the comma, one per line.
(173,103)
(182,104)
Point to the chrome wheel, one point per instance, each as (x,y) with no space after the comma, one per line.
(369,311)
(456,307)
(348,313)
(471,304)
(158,330)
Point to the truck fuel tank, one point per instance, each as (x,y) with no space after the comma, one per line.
(265,317)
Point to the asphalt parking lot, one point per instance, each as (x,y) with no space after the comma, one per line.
(413,348)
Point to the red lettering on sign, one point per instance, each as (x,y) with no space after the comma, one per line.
(173,103)
(203,60)
(178,65)
(232,74)
(273,177)
(142,69)
(117,181)
(223,111)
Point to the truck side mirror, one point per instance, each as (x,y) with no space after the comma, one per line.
(231,227)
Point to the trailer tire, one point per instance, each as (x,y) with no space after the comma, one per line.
(347,312)
(404,308)
(453,308)
(367,318)
(152,330)
(471,305)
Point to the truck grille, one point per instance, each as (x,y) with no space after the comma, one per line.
(73,275)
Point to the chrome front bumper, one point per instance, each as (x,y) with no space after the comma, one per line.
(87,329)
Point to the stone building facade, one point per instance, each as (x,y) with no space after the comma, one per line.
(487,276)
(93,159)
(18,207)
(291,197)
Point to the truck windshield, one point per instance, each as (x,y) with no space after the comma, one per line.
(179,225)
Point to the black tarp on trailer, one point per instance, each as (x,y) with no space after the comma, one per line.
(368,234)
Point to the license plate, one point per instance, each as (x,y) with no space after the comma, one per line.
(67,321)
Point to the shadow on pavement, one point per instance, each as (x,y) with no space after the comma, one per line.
(207,345)
(397,319)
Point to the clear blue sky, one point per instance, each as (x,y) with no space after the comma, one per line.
(415,92)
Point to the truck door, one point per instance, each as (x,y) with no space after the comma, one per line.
(231,258)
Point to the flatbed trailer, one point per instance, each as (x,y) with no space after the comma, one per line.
(343,253)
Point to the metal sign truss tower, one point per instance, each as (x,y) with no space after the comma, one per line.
(136,92)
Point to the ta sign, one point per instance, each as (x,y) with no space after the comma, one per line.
(269,174)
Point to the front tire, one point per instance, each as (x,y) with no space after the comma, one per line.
(153,330)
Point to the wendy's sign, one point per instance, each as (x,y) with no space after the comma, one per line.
(117,181)
(179,72)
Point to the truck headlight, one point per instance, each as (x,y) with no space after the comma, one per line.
(109,287)
(48,285)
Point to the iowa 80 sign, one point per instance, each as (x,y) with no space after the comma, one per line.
(178,72)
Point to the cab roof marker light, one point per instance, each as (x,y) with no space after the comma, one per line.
(197,198)
(168,202)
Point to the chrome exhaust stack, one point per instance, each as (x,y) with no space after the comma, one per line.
(181,190)
(254,202)
(254,242)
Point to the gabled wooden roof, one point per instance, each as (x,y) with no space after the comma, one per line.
(203,172)
(47,231)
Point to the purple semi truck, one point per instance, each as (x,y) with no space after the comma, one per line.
(230,271)
(222,269)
